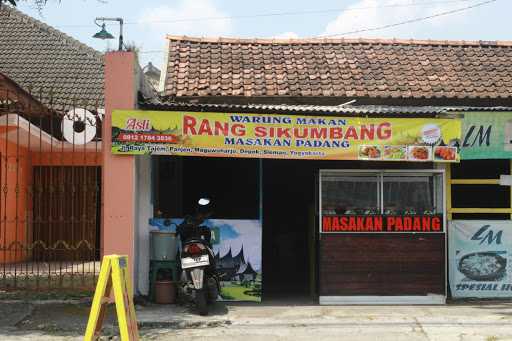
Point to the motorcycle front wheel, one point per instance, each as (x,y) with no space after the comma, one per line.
(201,302)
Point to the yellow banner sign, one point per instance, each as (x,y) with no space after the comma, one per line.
(285,136)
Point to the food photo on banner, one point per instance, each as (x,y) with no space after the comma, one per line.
(479,258)
(285,136)
(237,247)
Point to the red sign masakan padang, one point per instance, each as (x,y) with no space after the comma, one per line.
(383,223)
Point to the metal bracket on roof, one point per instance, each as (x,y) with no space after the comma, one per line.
(347,103)
(452,115)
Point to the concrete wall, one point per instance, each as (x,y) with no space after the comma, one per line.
(144,213)
(79,158)
(118,188)
(15,202)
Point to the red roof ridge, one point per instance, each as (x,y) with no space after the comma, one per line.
(320,40)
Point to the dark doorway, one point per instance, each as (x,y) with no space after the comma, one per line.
(288,227)
(491,196)
(289,209)
(231,183)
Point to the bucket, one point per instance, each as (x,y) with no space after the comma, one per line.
(162,245)
(165,292)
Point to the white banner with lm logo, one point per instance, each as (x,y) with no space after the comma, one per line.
(480,258)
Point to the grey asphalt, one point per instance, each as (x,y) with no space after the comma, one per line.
(66,321)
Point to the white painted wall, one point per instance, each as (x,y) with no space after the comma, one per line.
(144,212)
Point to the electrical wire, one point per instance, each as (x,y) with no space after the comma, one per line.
(410,21)
(279,14)
(151,51)
(370,29)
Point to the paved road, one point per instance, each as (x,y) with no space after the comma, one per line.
(489,322)
(339,331)
(366,327)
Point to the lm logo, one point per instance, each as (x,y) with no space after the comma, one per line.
(486,234)
(479,136)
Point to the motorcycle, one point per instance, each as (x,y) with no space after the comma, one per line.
(199,277)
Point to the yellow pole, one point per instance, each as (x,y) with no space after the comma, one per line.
(448,190)
(121,284)
(100,301)
(482,210)
(475,181)
(114,275)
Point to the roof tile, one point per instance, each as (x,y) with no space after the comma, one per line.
(339,67)
(42,59)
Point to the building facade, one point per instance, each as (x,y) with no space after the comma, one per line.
(368,227)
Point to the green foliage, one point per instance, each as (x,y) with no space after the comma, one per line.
(39,3)
(12,2)
(241,293)
(132,47)
(226,296)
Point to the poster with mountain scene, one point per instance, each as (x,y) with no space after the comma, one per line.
(237,247)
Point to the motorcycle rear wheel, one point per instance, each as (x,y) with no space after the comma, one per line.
(213,292)
(201,302)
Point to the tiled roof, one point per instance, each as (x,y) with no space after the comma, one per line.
(44,60)
(349,110)
(14,99)
(355,68)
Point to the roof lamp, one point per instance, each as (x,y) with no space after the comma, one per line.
(104,34)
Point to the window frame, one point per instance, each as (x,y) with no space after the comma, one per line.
(381,173)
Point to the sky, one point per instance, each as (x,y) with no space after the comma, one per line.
(149,21)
